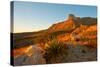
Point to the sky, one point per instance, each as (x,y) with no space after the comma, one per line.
(33,16)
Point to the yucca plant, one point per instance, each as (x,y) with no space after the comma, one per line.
(54,51)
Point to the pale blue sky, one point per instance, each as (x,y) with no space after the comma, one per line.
(32,16)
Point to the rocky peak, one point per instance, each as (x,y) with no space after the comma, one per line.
(71,17)
(68,24)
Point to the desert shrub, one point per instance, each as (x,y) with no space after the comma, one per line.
(54,52)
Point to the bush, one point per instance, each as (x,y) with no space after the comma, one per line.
(54,52)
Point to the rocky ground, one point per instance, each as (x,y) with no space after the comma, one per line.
(35,55)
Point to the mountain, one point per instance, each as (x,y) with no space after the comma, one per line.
(72,22)
(71,28)
(75,31)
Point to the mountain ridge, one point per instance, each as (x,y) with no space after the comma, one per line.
(64,28)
